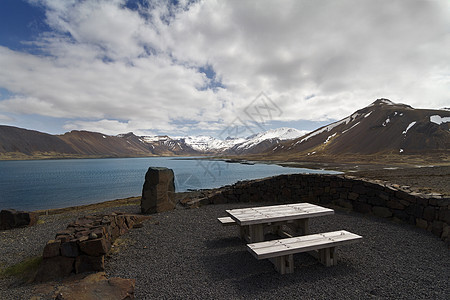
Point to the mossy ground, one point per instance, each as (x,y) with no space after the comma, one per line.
(24,270)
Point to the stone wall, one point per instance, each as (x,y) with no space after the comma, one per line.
(82,246)
(428,211)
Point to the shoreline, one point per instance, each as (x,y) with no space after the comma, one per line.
(417,176)
(93,206)
(427,179)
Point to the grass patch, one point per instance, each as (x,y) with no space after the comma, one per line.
(23,270)
(119,244)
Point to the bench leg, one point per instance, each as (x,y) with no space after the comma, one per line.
(284,264)
(328,256)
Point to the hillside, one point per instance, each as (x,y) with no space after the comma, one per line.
(97,144)
(263,141)
(382,128)
(20,143)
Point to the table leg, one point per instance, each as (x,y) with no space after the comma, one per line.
(300,227)
(244,233)
(256,233)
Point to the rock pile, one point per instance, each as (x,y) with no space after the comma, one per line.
(11,218)
(82,246)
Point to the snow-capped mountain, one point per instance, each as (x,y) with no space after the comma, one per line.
(255,143)
(383,127)
(210,145)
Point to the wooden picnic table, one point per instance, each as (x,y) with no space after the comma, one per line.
(254,221)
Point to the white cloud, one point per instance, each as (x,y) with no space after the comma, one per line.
(4,118)
(112,69)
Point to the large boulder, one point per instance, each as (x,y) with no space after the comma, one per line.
(11,218)
(158,191)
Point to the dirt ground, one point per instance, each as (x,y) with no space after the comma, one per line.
(435,179)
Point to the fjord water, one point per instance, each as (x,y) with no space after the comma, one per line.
(45,184)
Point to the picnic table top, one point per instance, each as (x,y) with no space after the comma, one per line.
(277,213)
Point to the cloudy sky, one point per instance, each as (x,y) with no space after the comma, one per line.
(201,67)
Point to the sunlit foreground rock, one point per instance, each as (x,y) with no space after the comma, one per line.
(83,245)
(11,218)
(158,191)
(93,286)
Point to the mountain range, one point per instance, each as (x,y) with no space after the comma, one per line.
(18,143)
(381,128)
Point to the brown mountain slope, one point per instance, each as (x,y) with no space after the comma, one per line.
(97,144)
(18,140)
(18,143)
(380,128)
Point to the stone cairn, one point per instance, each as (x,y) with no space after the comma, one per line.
(83,245)
(158,191)
(11,218)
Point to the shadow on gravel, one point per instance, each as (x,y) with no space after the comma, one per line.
(242,268)
(223,243)
(268,281)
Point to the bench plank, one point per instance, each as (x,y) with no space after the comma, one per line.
(281,247)
(226,221)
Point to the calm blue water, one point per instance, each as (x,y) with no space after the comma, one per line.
(44,184)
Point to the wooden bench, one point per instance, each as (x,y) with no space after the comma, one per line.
(281,251)
(226,221)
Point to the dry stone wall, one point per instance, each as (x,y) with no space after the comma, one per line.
(82,246)
(428,211)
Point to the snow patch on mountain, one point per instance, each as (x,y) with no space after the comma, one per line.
(439,120)
(382,101)
(330,137)
(329,127)
(351,127)
(409,127)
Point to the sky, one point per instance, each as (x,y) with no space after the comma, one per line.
(219,68)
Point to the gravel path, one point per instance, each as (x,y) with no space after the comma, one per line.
(187,254)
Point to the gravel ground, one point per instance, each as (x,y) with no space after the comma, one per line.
(187,254)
